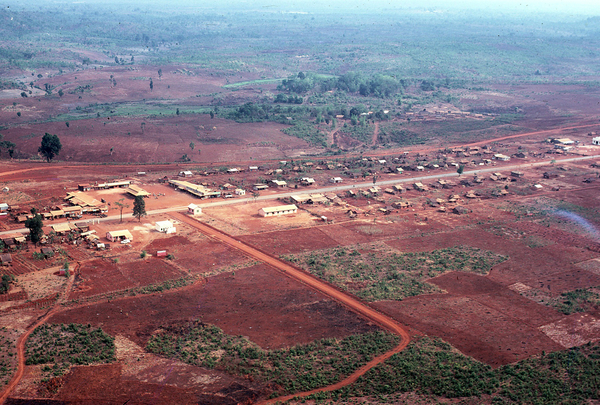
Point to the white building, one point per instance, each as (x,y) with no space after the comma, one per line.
(335,180)
(165,226)
(240,191)
(596,140)
(279,210)
(186,173)
(193,209)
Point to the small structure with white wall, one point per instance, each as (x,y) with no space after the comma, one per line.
(335,180)
(240,191)
(115,236)
(186,173)
(193,209)
(279,210)
(165,226)
(596,141)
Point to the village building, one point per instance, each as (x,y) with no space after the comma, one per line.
(420,187)
(5,259)
(279,183)
(563,141)
(596,141)
(260,186)
(307,181)
(194,189)
(61,229)
(278,210)
(165,227)
(116,236)
(186,173)
(112,184)
(240,191)
(136,191)
(86,202)
(194,209)
(74,211)
(4,207)
(501,157)
(335,180)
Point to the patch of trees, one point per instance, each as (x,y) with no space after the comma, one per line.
(377,85)
(291,99)
(81,89)
(7,279)
(250,112)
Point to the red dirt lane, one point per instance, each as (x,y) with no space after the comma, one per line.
(345,299)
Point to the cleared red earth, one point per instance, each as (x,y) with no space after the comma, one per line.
(257,302)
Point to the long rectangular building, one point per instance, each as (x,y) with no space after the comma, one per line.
(279,210)
(194,189)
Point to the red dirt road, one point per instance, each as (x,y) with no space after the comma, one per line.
(345,299)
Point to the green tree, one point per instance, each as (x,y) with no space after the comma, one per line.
(121,205)
(192,145)
(177,112)
(61,92)
(139,207)
(160,73)
(5,284)
(151,85)
(460,169)
(50,146)
(35,225)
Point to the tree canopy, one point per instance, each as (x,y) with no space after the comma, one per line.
(139,207)
(35,225)
(50,146)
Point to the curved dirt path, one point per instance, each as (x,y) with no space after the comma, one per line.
(23,338)
(347,300)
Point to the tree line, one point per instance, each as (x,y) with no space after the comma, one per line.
(377,85)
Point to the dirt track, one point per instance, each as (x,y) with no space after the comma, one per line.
(345,299)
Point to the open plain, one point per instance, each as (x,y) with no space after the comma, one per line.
(316,225)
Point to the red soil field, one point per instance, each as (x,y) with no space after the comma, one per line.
(213,254)
(479,314)
(163,139)
(100,276)
(290,241)
(171,383)
(258,302)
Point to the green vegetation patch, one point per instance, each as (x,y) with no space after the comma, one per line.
(69,344)
(308,132)
(395,134)
(295,369)
(361,131)
(8,355)
(578,300)
(381,273)
(432,367)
